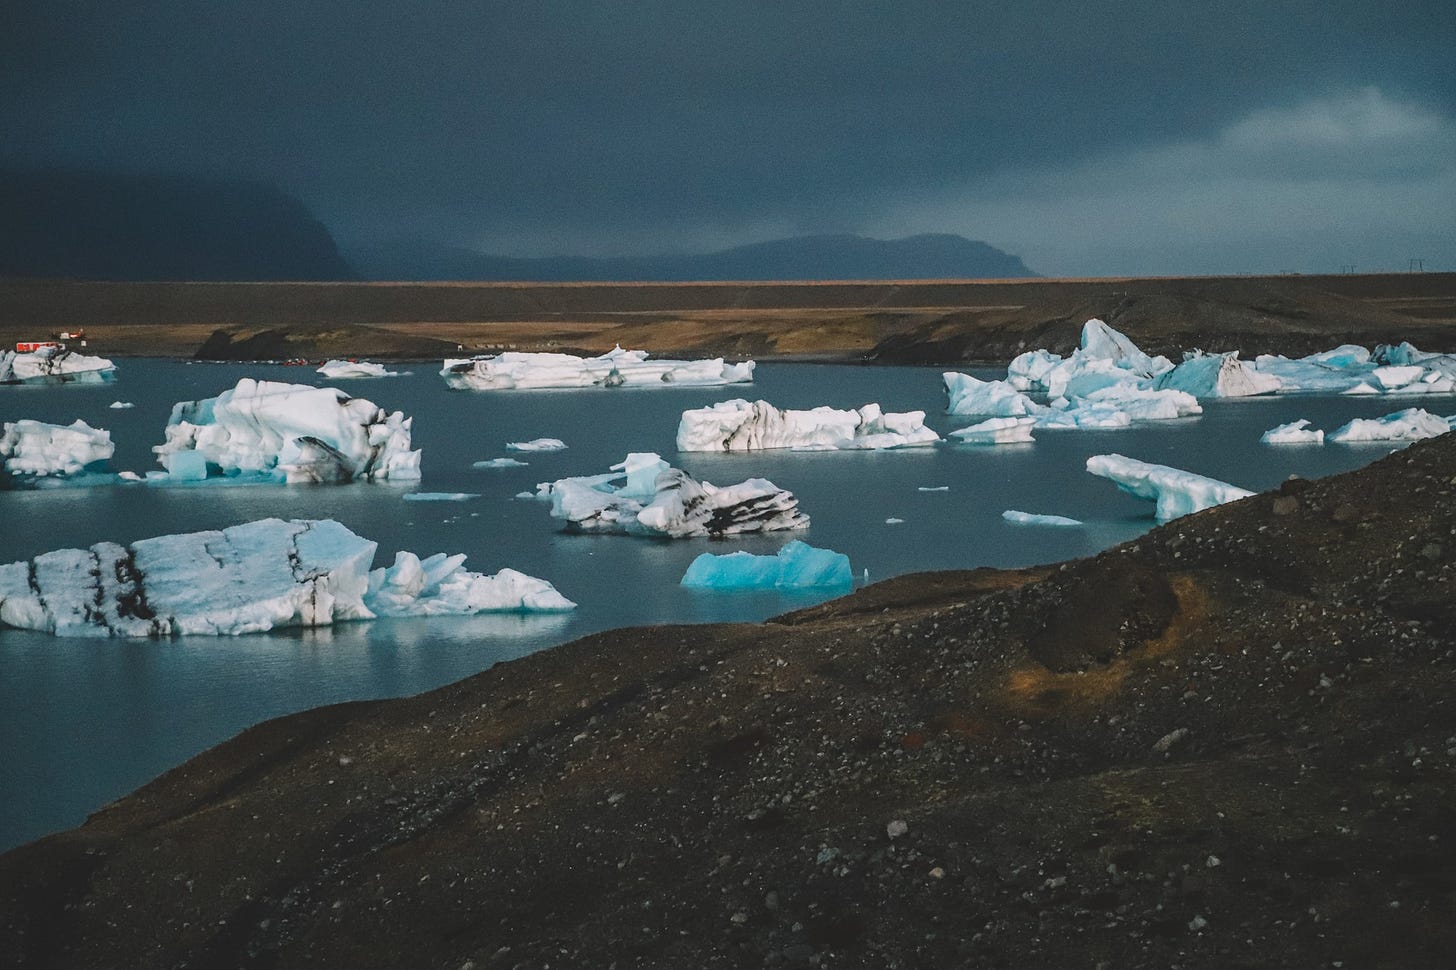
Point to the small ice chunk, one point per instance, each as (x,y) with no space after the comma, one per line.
(498,463)
(1293,433)
(1031,518)
(537,444)
(1412,424)
(120,405)
(996,431)
(894,521)
(933,488)
(796,566)
(1175,491)
(440,496)
(336,370)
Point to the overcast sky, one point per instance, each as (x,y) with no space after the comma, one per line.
(1089,138)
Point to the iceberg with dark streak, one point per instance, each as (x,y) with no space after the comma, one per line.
(247,579)
(739,425)
(644,496)
(54,365)
(287,433)
(517,370)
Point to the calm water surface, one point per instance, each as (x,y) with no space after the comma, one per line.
(84,721)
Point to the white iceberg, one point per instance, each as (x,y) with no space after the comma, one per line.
(1218,375)
(739,425)
(1176,492)
(1350,369)
(499,463)
(120,405)
(796,566)
(645,496)
(1294,433)
(618,368)
(995,431)
(37,449)
(1411,424)
(1103,351)
(537,444)
(1137,402)
(53,365)
(338,370)
(288,432)
(246,579)
(1032,518)
(970,395)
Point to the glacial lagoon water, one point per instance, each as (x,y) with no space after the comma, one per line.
(85,721)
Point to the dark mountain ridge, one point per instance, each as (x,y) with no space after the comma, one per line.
(823,257)
(107,226)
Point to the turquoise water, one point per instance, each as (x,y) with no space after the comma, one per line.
(83,722)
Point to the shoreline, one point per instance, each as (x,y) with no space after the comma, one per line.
(922,322)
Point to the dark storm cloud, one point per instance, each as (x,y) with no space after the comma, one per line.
(616,125)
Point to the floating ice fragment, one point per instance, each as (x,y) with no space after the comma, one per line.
(1218,375)
(440,496)
(337,370)
(643,495)
(54,365)
(935,488)
(894,521)
(1412,424)
(796,566)
(739,425)
(246,579)
(1176,492)
(996,431)
(292,433)
(1293,433)
(537,444)
(617,368)
(120,405)
(35,449)
(1031,518)
(499,463)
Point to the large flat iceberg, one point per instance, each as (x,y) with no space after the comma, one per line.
(1176,492)
(1016,517)
(739,425)
(246,579)
(645,496)
(288,432)
(54,365)
(618,368)
(797,565)
(35,449)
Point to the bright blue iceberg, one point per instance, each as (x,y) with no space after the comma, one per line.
(798,565)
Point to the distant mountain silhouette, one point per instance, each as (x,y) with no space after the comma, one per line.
(103,226)
(832,257)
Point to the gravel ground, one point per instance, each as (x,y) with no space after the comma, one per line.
(1229,743)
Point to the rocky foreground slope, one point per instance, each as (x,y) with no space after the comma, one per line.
(1229,743)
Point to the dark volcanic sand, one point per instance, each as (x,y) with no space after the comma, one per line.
(1227,744)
